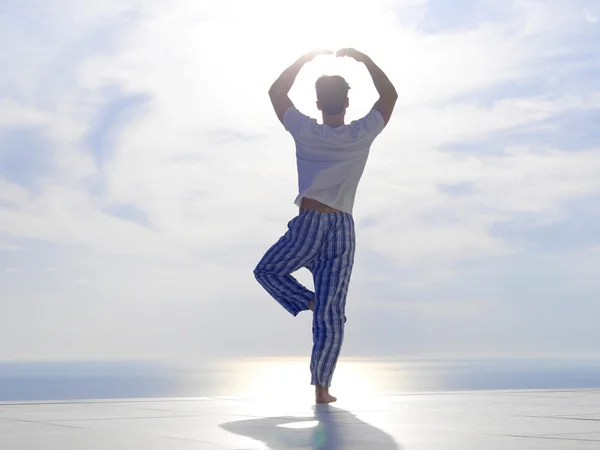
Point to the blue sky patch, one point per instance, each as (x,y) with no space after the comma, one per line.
(25,156)
(444,15)
(116,113)
(579,230)
(129,212)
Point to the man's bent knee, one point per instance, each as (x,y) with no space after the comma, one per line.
(259,273)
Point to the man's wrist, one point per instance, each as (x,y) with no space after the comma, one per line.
(306,58)
(366,60)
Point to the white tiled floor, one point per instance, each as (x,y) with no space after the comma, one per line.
(514,420)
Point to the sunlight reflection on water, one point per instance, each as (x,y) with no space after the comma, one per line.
(287,378)
(290,377)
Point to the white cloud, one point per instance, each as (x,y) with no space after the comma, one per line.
(13,113)
(589,16)
(5,245)
(450,310)
(11,270)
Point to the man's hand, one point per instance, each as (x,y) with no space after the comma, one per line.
(308,57)
(280,89)
(352,53)
(385,88)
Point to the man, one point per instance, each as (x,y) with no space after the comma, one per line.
(331,158)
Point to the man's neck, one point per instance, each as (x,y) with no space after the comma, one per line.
(334,121)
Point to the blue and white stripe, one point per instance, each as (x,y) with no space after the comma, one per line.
(324,243)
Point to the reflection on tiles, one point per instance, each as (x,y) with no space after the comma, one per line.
(446,421)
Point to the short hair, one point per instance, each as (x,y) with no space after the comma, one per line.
(332,92)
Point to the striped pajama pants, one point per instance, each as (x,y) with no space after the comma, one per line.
(323,243)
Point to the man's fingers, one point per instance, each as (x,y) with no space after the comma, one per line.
(319,52)
(346,52)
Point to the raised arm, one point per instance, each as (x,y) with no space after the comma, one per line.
(281,88)
(385,88)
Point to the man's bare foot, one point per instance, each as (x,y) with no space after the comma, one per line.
(322,395)
(311,305)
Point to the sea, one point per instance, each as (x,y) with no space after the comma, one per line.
(29,381)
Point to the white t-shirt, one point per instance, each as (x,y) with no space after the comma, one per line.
(331,160)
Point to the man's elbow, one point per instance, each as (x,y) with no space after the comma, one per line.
(389,96)
(388,99)
(274,91)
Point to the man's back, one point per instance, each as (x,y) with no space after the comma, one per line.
(331,160)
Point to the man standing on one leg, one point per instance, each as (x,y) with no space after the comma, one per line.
(331,158)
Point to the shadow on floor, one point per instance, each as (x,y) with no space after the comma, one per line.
(330,428)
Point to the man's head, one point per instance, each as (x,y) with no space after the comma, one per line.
(332,94)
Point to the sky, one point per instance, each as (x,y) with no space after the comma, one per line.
(143,174)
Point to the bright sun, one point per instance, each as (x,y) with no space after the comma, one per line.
(278,32)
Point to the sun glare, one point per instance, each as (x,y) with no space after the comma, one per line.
(287,379)
(311,24)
